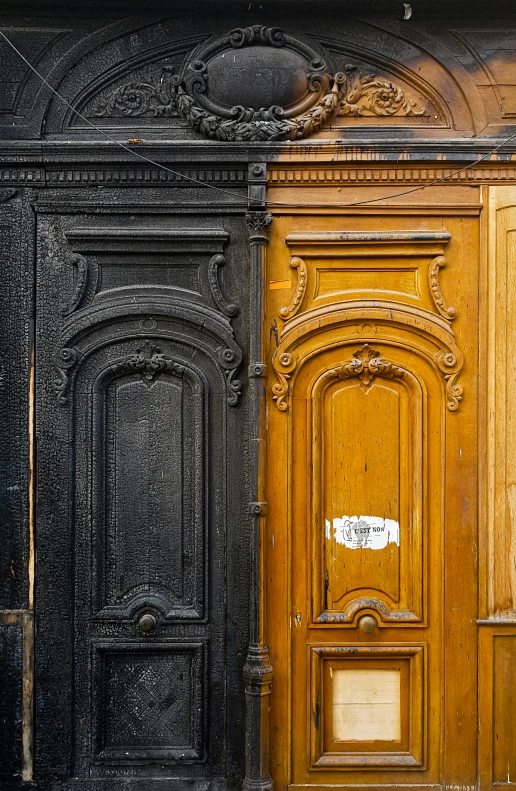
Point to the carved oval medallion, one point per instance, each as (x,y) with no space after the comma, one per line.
(255,74)
(257,77)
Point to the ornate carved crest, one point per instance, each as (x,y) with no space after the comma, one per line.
(256,83)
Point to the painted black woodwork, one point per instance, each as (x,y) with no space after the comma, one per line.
(16,307)
(141,489)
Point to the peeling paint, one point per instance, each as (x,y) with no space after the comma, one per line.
(363,532)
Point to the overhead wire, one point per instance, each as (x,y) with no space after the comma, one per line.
(290,205)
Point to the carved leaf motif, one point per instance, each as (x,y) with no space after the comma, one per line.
(217,128)
(163,94)
(149,360)
(257,221)
(367,94)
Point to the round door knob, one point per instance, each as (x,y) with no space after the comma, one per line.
(147,622)
(367,624)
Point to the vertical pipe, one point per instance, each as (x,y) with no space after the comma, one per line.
(258,670)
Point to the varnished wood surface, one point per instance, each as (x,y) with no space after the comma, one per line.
(362,421)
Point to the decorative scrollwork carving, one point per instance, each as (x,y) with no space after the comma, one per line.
(68,358)
(81,266)
(453,391)
(451,367)
(228,309)
(234,386)
(149,361)
(188,92)
(280,390)
(430,336)
(153,97)
(367,94)
(302,274)
(433,280)
(367,364)
(257,34)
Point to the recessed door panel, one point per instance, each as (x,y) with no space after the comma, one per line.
(149,446)
(367,490)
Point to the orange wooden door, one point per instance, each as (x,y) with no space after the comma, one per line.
(371,468)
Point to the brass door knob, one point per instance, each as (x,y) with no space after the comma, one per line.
(147,622)
(367,624)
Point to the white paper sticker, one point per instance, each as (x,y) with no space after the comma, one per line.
(363,532)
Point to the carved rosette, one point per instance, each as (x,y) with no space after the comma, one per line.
(369,94)
(154,96)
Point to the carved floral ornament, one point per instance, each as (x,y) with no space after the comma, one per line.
(223,98)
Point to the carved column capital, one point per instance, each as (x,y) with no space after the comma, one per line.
(258,223)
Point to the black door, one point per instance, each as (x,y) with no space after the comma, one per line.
(139,424)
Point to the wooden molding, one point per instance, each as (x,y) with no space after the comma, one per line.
(310,176)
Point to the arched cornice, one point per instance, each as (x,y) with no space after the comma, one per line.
(158,77)
(188,323)
(420,330)
(432,46)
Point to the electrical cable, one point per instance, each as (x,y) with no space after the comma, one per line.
(112,139)
(159,165)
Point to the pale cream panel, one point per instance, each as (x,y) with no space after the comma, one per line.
(498,593)
(367,705)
